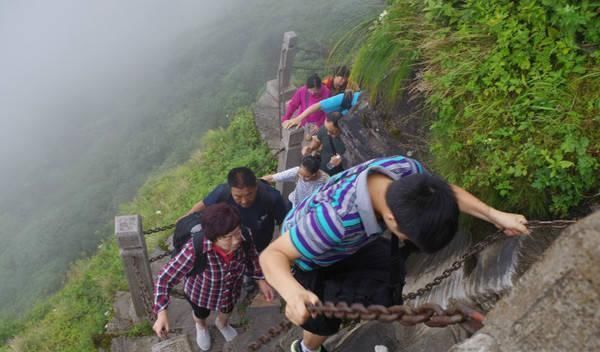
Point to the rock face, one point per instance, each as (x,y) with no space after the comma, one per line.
(554,306)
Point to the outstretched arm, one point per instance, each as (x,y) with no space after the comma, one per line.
(296,121)
(276,261)
(511,224)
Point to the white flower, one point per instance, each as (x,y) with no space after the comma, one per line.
(158,212)
(382,15)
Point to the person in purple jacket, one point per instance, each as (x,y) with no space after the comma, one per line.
(309,94)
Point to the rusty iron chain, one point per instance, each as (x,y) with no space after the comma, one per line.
(159,229)
(273,332)
(478,247)
(159,256)
(431,314)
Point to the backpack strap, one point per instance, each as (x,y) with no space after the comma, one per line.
(248,239)
(395,270)
(200,260)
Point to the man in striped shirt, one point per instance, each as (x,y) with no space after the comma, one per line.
(338,230)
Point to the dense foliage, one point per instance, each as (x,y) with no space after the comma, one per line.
(70,319)
(514,88)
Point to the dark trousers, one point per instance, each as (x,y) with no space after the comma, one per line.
(200,312)
(363,277)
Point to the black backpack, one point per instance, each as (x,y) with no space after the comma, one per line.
(189,226)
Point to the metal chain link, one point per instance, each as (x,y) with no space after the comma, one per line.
(273,332)
(478,247)
(159,229)
(431,314)
(159,256)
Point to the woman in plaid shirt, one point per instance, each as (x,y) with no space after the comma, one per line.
(218,286)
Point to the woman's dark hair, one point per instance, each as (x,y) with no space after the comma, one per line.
(341,71)
(311,163)
(241,177)
(218,220)
(425,209)
(347,100)
(334,118)
(313,81)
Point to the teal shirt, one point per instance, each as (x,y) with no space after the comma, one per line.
(335,103)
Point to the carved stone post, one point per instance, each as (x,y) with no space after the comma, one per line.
(130,238)
(286,59)
(290,157)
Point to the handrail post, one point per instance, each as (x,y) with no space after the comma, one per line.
(291,156)
(132,247)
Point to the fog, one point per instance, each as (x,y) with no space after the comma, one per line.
(95,96)
(61,58)
(83,86)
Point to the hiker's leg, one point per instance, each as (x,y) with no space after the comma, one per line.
(312,341)
(200,315)
(202,334)
(222,323)
(222,319)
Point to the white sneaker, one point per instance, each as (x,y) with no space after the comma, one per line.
(228,332)
(202,338)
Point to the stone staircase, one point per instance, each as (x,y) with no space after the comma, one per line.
(252,317)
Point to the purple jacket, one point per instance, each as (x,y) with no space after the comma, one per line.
(301,100)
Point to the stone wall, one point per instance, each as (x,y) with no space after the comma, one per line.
(554,306)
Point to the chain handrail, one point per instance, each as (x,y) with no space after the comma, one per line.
(431,314)
(159,256)
(158,229)
(478,247)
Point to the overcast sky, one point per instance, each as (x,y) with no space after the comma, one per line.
(54,53)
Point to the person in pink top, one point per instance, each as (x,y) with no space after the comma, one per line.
(310,93)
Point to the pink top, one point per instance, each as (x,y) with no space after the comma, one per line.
(303,99)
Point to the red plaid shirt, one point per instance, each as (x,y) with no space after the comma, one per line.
(218,287)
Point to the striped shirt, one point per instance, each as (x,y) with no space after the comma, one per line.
(337,220)
(303,188)
(218,287)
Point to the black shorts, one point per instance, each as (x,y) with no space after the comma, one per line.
(363,277)
(200,312)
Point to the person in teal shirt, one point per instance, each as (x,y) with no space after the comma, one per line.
(342,103)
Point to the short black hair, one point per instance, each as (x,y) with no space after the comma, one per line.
(425,210)
(341,71)
(313,81)
(312,163)
(218,220)
(241,177)
(334,118)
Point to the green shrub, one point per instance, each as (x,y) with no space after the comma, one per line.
(514,88)
(517,98)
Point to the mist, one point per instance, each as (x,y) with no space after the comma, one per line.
(64,61)
(97,96)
